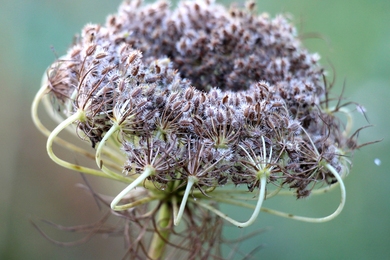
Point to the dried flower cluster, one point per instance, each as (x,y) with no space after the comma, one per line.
(187,101)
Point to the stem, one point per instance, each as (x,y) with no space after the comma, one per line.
(313,192)
(41,98)
(34,114)
(174,206)
(147,172)
(255,213)
(191,181)
(284,214)
(110,132)
(34,110)
(53,136)
(252,219)
(49,147)
(323,219)
(136,203)
(115,127)
(161,235)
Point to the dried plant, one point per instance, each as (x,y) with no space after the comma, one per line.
(192,107)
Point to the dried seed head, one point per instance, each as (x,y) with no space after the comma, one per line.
(91,50)
(238,101)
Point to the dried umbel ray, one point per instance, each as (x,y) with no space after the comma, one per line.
(196,106)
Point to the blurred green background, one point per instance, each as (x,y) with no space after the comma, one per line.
(356,40)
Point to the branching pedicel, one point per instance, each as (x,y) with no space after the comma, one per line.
(188,106)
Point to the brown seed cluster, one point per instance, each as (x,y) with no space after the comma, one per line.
(206,92)
(188,102)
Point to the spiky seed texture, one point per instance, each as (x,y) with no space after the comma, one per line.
(206,95)
(197,89)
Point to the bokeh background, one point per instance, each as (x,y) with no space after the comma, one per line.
(355,40)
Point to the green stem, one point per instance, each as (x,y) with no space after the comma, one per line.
(136,203)
(49,146)
(161,235)
(280,213)
(191,181)
(255,213)
(115,127)
(34,109)
(99,149)
(146,173)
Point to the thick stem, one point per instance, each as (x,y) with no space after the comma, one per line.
(161,235)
